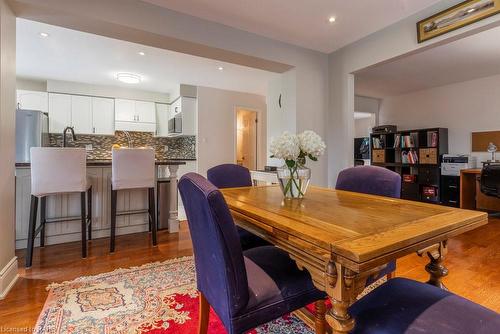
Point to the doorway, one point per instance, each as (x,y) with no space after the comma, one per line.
(246,138)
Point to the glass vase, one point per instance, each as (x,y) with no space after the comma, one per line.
(294,180)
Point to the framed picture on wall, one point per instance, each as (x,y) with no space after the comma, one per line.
(456,17)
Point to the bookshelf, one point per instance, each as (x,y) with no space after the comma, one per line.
(416,156)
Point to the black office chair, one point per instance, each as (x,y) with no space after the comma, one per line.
(490,180)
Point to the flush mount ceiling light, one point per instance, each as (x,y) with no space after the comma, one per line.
(332,19)
(128,78)
(142,53)
(44,35)
(220,68)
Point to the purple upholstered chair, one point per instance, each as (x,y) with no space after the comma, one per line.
(375,181)
(234,176)
(404,306)
(245,289)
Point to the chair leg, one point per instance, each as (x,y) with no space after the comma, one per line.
(319,321)
(203,314)
(113,220)
(152,211)
(150,227)
(43,220)
(83,205)
(31,232)
(89,213)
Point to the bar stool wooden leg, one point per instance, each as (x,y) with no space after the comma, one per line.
(43,220)
(150,214)
(152,211)
(203,314)
(113,220)
(31,232)
(83,205)
(89,214)
(320,320)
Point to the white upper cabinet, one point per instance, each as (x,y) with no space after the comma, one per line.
(131,115)
(125,110)
(189,116)
(81,114)
(32,100)
(162,116)
(59,112)
(103,116)
(146,111)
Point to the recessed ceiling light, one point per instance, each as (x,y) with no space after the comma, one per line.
(44,35)
(128,78)
(331,19)
(142,53)
(220,68)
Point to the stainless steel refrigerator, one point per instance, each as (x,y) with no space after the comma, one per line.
(32,130)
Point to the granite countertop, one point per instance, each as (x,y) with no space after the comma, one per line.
(107,162)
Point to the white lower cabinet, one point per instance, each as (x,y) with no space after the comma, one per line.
(68,205)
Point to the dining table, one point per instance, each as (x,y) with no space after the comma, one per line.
(343,238)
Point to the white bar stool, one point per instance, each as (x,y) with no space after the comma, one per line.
(133,168)
(57,171)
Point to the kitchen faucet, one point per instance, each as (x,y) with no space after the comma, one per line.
(129,138)
(72,130)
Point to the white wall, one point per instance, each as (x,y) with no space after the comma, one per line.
(8,260)
(363,126)
(140,22)
(463,108)
(394,41)
(217,126)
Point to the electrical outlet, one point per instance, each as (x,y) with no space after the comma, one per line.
(166,148)
(88,147)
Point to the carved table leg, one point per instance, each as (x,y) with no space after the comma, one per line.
(343,286)
(435,267)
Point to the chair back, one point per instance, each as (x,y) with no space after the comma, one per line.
(220,267)
(490,180)
(58,170)
(370,180)
(229,176)
(133,168)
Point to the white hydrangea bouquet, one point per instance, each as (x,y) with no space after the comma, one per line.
(294,176)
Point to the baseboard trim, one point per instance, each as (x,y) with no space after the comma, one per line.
(8,277)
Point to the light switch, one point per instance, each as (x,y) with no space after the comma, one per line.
(88,147)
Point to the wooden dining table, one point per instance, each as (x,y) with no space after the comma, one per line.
(343,238)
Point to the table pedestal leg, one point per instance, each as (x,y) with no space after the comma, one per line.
(436,268)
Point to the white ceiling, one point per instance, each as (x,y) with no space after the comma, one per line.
(302,22)
(470,58)
(71,55)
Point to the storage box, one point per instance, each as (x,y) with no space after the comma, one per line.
(428,156)
(378,156)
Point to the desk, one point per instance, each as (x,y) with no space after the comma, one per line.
(343,238)
(471,196)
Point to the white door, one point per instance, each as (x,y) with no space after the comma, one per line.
(145,111)
(81,114)
(103,115)
(32,100)
(162,111)
(59,112)
(125,110)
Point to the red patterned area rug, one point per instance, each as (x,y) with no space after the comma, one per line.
(156,298)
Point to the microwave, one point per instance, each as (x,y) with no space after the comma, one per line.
(175,125)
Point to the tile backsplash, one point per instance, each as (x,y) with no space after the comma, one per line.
(166,148)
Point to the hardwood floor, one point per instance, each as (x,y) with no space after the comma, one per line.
(473,261)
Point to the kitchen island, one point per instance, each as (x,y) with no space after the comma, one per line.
(64,210)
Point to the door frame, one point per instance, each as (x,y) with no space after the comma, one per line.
(235,133)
